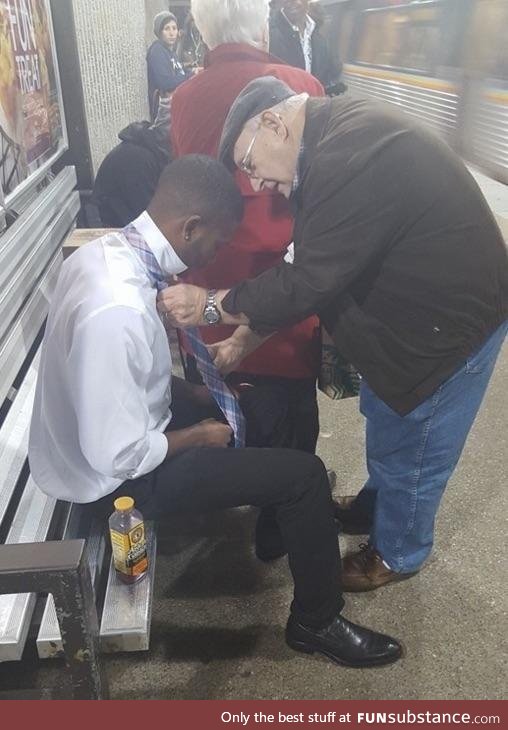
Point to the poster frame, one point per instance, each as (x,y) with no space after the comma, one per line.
(10,201)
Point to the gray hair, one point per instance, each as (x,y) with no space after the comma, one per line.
(232,21)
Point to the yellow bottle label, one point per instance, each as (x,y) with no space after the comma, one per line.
(129,550)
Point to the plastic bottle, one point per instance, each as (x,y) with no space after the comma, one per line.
(128,541)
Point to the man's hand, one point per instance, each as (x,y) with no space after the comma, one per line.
(183,304)
(209,433)
(213,434)
(227,355)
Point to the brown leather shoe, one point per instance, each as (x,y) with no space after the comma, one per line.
(365,571)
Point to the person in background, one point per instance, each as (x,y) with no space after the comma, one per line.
(296,39)
(164,71)
(128,176)
(104,422)
(277,385)
(191,46)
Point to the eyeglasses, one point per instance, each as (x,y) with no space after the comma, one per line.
(245,164)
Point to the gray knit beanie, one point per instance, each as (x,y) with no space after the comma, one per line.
(162,19)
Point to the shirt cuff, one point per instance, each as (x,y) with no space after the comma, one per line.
(157,450)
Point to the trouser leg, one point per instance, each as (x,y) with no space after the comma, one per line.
(280,413)
(410,459)
(293,482)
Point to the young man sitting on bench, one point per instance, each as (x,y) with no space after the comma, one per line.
(103,426)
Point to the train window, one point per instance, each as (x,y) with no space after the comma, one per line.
(487,50)
(404,37)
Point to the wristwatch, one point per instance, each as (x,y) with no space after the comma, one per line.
(211,312)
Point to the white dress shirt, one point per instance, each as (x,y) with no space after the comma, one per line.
(103,392)
(305,39)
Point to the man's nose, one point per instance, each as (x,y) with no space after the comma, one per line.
(256,184)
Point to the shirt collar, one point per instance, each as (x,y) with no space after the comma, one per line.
(310,25)
(298,174)
(166,256)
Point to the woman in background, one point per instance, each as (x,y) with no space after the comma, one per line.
(164,70)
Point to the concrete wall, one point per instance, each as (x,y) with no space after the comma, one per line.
(111,40)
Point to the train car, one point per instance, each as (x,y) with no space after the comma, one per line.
(485,125)
(444,62)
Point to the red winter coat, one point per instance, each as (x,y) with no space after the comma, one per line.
(198,111)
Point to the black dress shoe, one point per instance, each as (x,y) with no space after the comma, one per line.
(349,520)
(344,643)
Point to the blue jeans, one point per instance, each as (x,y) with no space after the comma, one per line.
(410,459)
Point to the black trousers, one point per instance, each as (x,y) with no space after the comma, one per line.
(291,482)
(279,412)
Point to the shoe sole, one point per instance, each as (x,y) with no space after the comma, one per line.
(304,648)
(367,589)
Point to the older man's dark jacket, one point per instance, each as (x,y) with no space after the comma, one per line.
(395,247)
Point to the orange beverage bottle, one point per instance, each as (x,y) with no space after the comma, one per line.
(128,541)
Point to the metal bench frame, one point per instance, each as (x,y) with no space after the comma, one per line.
(62,570)
(31,560)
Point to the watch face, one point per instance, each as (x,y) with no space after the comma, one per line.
(212,315)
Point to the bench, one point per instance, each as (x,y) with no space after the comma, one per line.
(51,563)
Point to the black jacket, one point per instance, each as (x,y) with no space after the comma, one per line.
(126,180)
(285,43)
(395,247)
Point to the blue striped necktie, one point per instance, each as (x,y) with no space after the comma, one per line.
(211,376)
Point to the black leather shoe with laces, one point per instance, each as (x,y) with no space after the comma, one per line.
(344,643)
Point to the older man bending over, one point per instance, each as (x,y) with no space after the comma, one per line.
(399,253)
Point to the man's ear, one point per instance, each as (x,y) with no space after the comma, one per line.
(275,122)
(190,227)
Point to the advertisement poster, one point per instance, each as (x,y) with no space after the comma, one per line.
(31,119)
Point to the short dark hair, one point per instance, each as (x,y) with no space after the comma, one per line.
(199,185)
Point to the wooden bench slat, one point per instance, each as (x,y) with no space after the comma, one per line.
(14,436)
(30,524)
(127,612)
(49,639)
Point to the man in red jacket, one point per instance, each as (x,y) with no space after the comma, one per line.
(277,383)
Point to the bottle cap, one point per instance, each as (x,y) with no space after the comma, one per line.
(124,504)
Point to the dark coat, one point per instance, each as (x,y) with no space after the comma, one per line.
(127,178)
(285,43)
(395,247)
(164,72)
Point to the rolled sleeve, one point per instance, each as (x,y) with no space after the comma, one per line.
(155,455)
